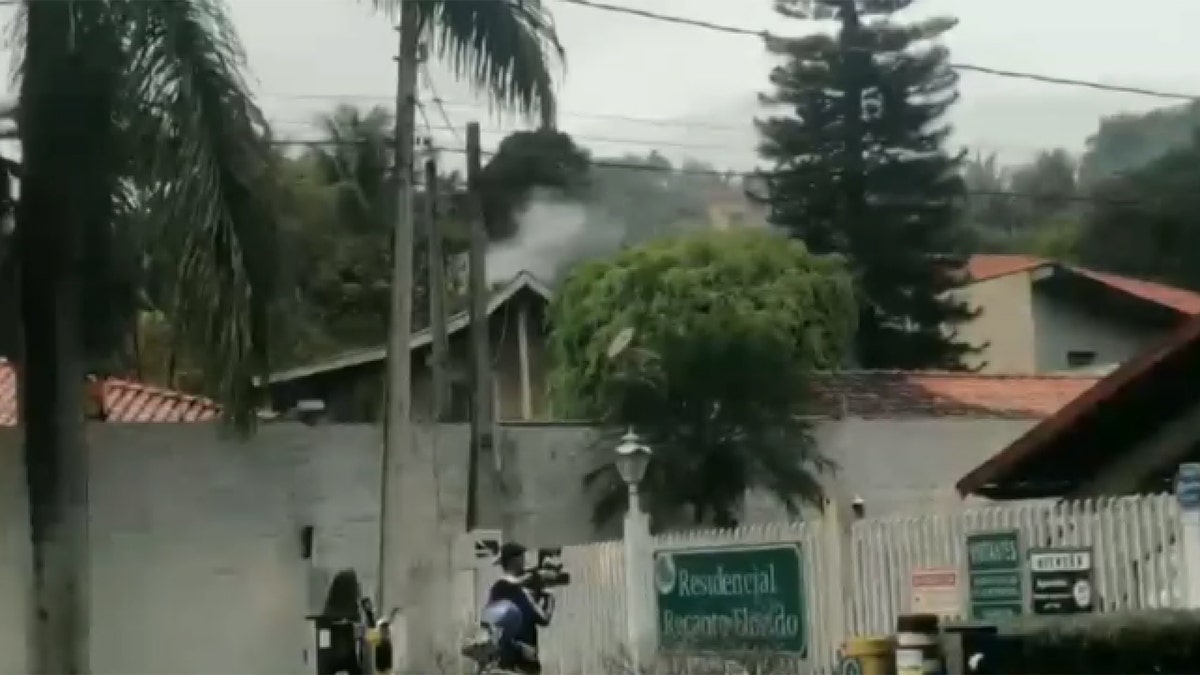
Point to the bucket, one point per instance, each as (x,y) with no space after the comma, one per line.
(867,656)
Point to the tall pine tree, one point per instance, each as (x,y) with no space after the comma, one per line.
(860,169)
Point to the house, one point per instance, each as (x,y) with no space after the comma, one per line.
(118,401)
(1040,316)
(352,384)
(1128,434)
(900,439)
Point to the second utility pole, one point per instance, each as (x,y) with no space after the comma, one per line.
(437,297)
(481,362)
(398,436)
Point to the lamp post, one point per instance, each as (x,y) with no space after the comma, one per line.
(633,458)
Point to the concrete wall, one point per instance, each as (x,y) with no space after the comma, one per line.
(1005,324)
(901,465)
(197,564)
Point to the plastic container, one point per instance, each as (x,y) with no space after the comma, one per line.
(868,656)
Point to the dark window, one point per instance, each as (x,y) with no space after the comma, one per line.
(1080,359)
(460,401)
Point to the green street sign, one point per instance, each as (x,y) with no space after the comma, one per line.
(994,573)
(732,599)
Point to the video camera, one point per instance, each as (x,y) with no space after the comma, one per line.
(549,571)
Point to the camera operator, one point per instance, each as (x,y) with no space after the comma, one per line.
(536,605)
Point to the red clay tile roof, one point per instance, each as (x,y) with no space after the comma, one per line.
(990,266)
(124,402)
(1127,385)
(884,394)
(1181,300)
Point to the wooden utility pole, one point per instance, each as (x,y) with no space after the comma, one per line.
(392,575)
(437,296)
(481,363)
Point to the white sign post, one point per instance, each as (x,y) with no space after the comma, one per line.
(1187,491)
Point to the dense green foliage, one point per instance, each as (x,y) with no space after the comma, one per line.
(1143,223)
(1035,208)
(1143,642)
(859,168)
(177,166)
(1130,141)
(1083,210)
(727,328)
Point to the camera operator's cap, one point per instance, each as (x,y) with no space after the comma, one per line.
(510,550)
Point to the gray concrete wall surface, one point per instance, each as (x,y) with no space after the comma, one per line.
(197,564)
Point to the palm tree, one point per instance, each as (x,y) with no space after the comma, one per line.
(125,105)
(140,107)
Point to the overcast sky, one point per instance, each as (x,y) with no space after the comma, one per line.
(627,66)
(305,55)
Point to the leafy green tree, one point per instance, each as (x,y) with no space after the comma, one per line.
(860,169)
(1130,141)
(1047,189)
(1143,223)
(727,328)
(989,208)
(124,104)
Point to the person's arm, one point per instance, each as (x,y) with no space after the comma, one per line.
(524,600)
(546,602)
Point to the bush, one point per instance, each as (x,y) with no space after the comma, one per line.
(1141,642)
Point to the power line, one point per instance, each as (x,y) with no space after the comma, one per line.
(968,67)
(655,121)
(438,101)
(1049,79)
(682,21)
(641,142)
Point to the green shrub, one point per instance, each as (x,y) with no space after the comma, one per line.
(1142,642)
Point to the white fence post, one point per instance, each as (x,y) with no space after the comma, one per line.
(1187,493)
(639,556)
(631,461)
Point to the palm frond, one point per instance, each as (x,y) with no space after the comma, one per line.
(504,47)
(216,212)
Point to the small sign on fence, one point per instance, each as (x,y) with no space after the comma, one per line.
(994,569)
(935,590)
(1187,487)
(1060,580)
(732,599)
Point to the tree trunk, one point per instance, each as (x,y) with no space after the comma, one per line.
(48,236)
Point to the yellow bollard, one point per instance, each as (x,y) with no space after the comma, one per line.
(868,656)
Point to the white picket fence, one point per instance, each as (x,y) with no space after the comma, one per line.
(857,585)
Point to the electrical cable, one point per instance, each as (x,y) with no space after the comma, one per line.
(985,70)
(641,142)
(683,124)
(438,101)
